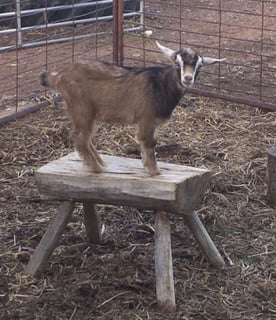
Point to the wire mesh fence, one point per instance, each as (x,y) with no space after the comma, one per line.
(36,35)
(243,32)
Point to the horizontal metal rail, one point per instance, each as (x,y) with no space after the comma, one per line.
(55,8)
(29,12)
(20,44)
(66,23)
(60,40)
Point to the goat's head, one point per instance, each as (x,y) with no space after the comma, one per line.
(189,63)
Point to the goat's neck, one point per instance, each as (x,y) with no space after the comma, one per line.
(170,93)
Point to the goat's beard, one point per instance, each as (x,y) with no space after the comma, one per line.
(187,85)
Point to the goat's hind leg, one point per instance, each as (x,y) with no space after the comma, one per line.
(83,144)
(147,143)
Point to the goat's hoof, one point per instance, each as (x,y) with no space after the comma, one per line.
(154,172)
(96,169)
(100,161)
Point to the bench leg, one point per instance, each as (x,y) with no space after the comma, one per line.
(204,240)
(49,240)
(163,263)
(92,222)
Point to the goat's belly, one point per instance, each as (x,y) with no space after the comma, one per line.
(117,116)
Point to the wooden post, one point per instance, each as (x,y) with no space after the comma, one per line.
(118,31)
(271,177)
(163,263)
(49,240)
(204,240)
(92,222)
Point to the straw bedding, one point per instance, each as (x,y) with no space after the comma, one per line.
(115,280)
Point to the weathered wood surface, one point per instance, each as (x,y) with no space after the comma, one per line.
(163,263)
(124,182)
(271,177)
(49,240)
(204,240)
(92,222)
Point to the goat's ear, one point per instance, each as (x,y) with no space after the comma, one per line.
(169,53)
(207,60)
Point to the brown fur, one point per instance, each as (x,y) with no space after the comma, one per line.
(109,93)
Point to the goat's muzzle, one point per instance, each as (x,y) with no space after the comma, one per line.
(188,80)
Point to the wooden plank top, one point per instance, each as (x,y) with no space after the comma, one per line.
(124,182)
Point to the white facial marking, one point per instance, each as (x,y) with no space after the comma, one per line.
(199,63)
(181,66)
(188,72)
(189,76)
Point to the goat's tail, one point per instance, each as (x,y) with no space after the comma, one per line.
(48,79)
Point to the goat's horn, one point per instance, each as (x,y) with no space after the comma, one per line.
(167,51)
(208,60)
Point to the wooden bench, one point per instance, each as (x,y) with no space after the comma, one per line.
(177,190)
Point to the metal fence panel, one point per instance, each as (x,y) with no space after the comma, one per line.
(244,32)
(45,37)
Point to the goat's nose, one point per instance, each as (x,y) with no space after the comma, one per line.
(188,78)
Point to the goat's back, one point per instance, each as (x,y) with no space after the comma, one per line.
(112,93)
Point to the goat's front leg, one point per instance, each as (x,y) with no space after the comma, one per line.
(95,153)
(147,143)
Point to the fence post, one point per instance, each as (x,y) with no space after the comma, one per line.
(18,23)
(118,32)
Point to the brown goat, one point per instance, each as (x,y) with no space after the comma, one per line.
(142,96)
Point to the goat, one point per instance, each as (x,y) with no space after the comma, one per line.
(126,95)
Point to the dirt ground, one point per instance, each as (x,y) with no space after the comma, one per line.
(115,280)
